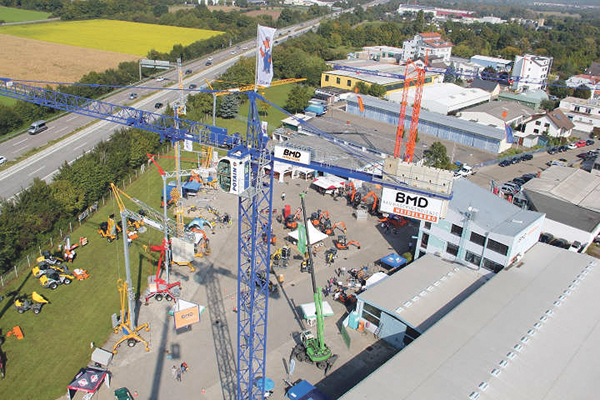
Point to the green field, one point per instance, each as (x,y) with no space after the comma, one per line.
(118,36)
(7,101)
(17,15)
(57,341)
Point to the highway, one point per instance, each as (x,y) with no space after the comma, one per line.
(45,163)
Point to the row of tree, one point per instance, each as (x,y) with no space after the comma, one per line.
(41,210)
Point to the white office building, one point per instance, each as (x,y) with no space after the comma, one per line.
(530,72)
(427,43)
(585,114)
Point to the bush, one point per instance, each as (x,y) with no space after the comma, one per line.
(409,257)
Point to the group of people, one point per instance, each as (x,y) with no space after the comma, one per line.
(178,372)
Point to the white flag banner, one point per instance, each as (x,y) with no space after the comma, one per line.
(264,65)
(188,145)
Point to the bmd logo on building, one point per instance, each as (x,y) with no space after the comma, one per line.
(294,155)
(412,205)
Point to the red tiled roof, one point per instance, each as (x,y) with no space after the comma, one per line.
(430,34)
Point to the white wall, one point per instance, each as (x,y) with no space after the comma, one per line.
(560,230)
(482,118)
(531,126)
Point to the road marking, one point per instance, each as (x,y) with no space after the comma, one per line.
(37,170)
(72,118)
(50,174)
(20,141)
(18,150)
(81,145)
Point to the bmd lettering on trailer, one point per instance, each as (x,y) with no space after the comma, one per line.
(291,154)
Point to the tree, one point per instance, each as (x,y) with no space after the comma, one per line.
(560,89)
(229,107)
(361,87)
(298,98)
(450,75)
(242,3)
(582,92)
(437,156)
(160,9)
(377,90)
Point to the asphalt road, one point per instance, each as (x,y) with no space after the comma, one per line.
(46,163)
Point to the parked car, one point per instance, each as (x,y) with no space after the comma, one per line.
(188,71)
(133,96)
(572,146)
(589,142)
(529,177)
(193,86)
(508,189)
(563,160)
(519,181)
(504,163)
(583,156)
(581,143)
(562,243)
(158,105)
(160,79)
(576,247)
(553,150)
(546,237)
(526,157)
(563,148)
(3,160)
(515,160)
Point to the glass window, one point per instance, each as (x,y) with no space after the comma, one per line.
(424,240)
(472,258)
(338,80)
(456,230)
(371,314)
(452,249)
(477,238)
(492,265)
(497,247)
(538,123)
(326,78)
(348,83)
(427,225)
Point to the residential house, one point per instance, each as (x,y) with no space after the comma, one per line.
(498,113)
(585,114)
(499,64)
(552,123)
(492,87)
(429,43)
(530,72)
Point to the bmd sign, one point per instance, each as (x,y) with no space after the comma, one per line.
(411,205)
(286,153)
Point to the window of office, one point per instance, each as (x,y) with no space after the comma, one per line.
(427,225)
(497,247)
(348,83)
(371,314)
(492,265)
(477,238)
(338,80)
(538,123)
(452,249)
(472,258)
(326,78)
(456,230)
(424,240)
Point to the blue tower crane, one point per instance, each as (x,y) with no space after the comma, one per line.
(242,172)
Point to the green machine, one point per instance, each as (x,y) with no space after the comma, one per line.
(313,349)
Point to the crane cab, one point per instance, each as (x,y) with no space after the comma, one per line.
(233,174)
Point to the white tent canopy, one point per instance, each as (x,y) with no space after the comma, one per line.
(315,235)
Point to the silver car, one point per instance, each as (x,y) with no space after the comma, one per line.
(3,160)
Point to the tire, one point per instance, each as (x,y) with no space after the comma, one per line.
(131,342)
(53,285)
(169,297)
(158,297)
(37,310)
(301,356)
(20,310)
(67,281)
(322,365)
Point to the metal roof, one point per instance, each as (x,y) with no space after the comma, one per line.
(498,108)
(493,213)
(531,332)
(428,116)
(421,293)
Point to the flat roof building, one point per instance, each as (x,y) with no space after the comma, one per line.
(531,332)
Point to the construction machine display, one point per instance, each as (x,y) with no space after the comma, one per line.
(53,279)
(109,229)
(36,303)
(313,348)
(158,287)
(342,243)
(281,257)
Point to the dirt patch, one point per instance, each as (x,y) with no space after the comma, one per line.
(223,8)
(272,13)
(36,60)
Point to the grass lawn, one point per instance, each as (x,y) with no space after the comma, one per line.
(57,341)
(118,36)
(7,101)
(8,14)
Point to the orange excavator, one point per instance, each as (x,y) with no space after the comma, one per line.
(342,243)
(350,192)
(291,222)
(319,218)
(372,206)
(329,229)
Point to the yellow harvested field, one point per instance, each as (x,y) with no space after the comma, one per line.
(37,60)
(117,36)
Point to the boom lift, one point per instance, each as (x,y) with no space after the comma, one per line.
(313,349)
(157,286)
(125,323)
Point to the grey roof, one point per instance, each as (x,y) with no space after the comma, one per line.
(494,214)
(560,119)
(427,116)
(488,86)
(563,212)
(497,108)
(421,293)
(540,312)
(594,69)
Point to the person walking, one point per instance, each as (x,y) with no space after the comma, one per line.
(178,375)
(174,372)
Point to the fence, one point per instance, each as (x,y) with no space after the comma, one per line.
(28,261)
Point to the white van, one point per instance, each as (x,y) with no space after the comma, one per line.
(37,127)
